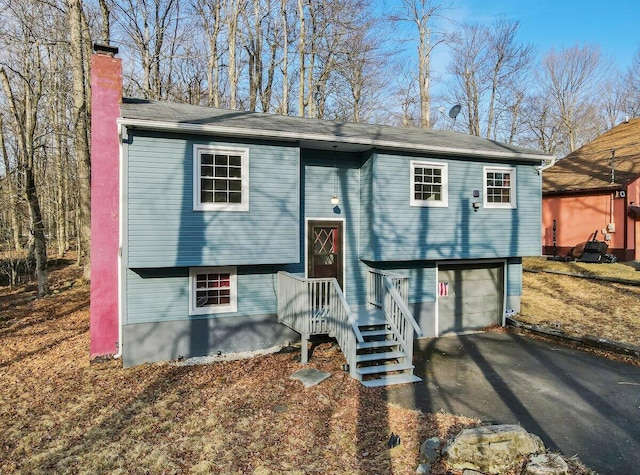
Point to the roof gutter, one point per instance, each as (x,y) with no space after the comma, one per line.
(585,191)
(289,136)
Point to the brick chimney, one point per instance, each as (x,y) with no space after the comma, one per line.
(106,96)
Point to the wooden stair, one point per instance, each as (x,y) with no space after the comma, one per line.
(380,359)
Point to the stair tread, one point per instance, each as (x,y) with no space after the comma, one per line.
(387,355)
(384,368)
(391,379)
(366,333)
(376,344)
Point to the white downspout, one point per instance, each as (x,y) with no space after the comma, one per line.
(121,138)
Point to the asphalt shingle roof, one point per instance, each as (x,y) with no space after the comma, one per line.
(589,167)
(188,117)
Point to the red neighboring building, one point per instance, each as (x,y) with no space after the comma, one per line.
(596,187)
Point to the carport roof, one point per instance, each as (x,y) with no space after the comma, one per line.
(313,133)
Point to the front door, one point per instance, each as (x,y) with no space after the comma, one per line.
(325,250)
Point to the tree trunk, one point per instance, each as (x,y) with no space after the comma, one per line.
(301,47)
(11,191)
(25,120)
(37,228)
(284,109)
(80,133)
(105,31)
(424,52)
(232,71)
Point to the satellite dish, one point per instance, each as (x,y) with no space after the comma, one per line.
(454,111)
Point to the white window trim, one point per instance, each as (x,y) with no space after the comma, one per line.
(197,204)
(233,282)
(513,187)
(442,203)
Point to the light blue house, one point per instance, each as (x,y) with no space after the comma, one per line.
(242,231)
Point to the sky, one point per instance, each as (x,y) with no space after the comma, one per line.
(614,25)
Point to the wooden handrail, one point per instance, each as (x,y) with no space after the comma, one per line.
(402,305)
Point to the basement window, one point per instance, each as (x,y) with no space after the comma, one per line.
(221,178)
(213,290)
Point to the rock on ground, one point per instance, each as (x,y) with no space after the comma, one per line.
(491,449)
(546,464)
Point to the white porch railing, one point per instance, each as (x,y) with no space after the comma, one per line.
(376,287)
(390,292)
(318,306)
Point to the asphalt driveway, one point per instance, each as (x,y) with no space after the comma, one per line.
(576,402)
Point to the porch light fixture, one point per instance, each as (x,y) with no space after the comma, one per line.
(334,199)
(476,206)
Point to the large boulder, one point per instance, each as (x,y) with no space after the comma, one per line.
(491,449)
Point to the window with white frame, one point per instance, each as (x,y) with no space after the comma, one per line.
(429,183)
(499,187)
(220,178)
(213,290)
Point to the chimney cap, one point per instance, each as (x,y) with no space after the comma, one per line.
(105,49)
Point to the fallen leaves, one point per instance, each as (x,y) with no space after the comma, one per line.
(61,414)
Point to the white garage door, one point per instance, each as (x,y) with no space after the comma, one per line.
(469,296)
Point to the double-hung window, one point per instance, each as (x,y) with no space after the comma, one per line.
(212,290)
(221,178)
(499,187)
(429,184)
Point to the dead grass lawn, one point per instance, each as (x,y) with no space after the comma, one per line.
(583,306)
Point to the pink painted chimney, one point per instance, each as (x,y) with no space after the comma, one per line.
(106,96)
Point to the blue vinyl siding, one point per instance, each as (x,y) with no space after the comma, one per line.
(164,230)
(320,174)
(514,277)
(399,232)
(367,193)
(422,278)
(162,294)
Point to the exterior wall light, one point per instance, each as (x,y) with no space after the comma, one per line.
(476,206)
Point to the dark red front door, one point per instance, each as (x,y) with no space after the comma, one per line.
(325,250)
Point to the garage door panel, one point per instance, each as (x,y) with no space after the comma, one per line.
(471,289)
(474,298)
(471,305)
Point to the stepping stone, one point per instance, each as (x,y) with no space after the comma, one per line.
(310,376)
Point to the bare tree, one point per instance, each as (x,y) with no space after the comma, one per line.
(23,92)
(508,61)
(211,19)
(632,88)
(151,30)
(80,127)
(284,68)
(302,39)
(10,190)
(490,69)
(105,13)
(468,69)
(423,14)
(234,9)
(572,77)
(614,100)
(543,125)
